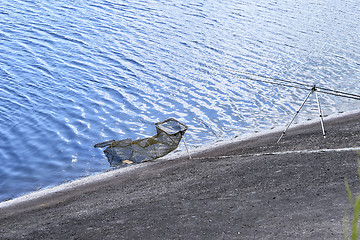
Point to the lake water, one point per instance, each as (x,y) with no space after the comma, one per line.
(74,73)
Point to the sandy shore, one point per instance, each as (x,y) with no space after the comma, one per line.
(247,189)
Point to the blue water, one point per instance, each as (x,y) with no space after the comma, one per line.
(74,73)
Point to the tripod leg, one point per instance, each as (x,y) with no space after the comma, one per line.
(297,112)
(320,113)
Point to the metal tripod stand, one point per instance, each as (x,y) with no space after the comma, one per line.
(314,89)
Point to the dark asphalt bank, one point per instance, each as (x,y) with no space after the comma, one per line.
(250,189)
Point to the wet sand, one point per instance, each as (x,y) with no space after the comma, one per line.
(246,189)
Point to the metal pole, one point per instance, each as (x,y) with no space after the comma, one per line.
(297,112)
(320,113)
(186,147)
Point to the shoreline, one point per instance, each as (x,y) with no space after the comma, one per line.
(97,177)
(248,136)
(251,188)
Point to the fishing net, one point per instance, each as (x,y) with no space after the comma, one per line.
(168,136)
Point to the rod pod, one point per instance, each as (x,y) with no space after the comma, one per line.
(314,89)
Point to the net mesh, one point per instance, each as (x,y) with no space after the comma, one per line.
(168,136)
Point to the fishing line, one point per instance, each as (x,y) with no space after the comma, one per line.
(266,81)
(262,76)
(285,83)
(339,93)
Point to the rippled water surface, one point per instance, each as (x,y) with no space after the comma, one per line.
(74,73)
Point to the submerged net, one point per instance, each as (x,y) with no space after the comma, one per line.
(168,136)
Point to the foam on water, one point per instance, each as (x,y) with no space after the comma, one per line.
(81,72)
